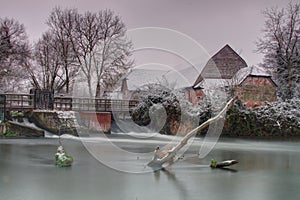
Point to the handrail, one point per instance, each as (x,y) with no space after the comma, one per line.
(27,102)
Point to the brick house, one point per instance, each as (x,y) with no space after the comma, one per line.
(252,85)
(219,69)
(255,86)
(226,69)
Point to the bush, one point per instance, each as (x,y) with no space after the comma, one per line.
(155,101)
(275,119)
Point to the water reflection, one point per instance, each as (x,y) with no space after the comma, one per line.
(227,170)
(180,187)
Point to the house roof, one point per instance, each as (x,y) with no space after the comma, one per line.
(243,73)
(223,65)
(237,79)
(213,83)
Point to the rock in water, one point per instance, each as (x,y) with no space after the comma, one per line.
(62,159)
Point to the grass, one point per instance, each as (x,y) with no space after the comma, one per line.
(8,134)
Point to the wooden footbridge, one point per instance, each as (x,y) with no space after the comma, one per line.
(28,102)
(87,108)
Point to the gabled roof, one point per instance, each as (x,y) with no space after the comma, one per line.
(237,79)
(223,65)
(211,83)
(243,73)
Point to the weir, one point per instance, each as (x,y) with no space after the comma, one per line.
(98,121)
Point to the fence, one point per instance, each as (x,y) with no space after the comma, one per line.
(19,102)
(26,102)
(93,104)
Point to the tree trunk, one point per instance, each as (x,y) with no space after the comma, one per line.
(98,92)
(169,158)
(67,80)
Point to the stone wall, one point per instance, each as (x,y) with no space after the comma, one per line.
(23,131)
(50,121)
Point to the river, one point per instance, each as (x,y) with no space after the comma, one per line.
(266,170)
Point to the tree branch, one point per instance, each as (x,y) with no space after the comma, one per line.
(158,163)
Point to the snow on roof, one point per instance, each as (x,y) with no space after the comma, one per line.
(237,79)
(250,71)
(213,83)
(139,77)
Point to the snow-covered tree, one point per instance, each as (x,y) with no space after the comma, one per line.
(156,98)
(281,45)
(159,102)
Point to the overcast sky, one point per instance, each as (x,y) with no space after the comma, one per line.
(212,23)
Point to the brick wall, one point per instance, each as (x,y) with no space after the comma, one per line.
(256,91)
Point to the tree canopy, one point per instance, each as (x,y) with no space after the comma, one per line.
(93,45)
(14,53)
(280,45)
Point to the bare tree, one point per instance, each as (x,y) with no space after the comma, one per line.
(48,63)
(115,50)
(85,40)
(99,44)
(14,54)
(61,24)
(280,45)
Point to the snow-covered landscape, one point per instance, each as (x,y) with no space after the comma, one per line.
(149,100)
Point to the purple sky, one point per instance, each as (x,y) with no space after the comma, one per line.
(212,23)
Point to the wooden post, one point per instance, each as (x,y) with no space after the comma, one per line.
(3,107)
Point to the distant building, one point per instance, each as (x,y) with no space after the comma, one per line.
(255,86)
(226,69)
(223,65)
(217,72)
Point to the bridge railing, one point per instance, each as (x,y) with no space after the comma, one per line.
(93,104)
(19,101)
(23,102)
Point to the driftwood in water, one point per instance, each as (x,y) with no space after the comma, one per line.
(157,163)
(226,163)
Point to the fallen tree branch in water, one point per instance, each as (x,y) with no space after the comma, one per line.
(157,163)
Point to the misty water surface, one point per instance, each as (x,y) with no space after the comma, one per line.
(266,170)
